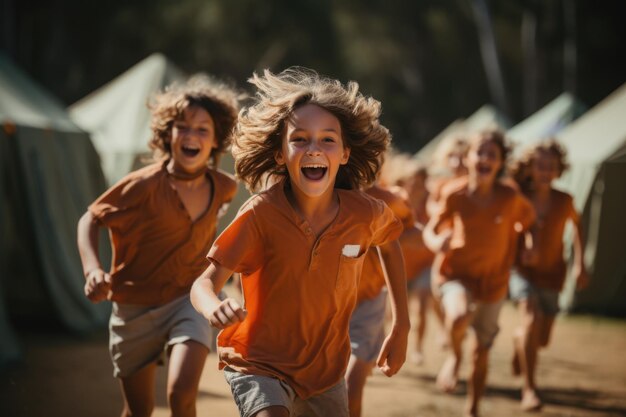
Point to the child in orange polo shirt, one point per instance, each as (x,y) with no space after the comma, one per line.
(471,236)
(161,221)
(540,278)
(300,246)
(367,324)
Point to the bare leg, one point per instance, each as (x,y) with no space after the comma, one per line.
(185,369)
(457,318)
(138,392)
(527,349)
(477,380)
(356,376)
(438,309)
(422,306)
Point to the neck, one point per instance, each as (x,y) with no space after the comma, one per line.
(311,207)
(542,192)
(481,188)
(181,175)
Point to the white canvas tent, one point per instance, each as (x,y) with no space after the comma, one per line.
(118,119)
(485,117)
(596,145)
(49,173)
(548,121)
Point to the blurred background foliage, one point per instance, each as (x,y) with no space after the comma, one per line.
(422,58)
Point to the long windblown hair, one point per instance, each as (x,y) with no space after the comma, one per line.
(217,98)
(260,128)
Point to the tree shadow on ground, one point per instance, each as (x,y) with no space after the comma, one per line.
(584,399)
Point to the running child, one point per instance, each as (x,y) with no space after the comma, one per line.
(367,324)
(300,246)
(161,222)
(540,278)
(471,236)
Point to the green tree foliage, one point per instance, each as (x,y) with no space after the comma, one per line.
(421,59)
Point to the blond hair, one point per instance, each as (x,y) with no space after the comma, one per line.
(220,100)
(259,131)
(520,169)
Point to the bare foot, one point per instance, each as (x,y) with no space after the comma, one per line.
(470,412)
(530,400)
(448,375)
(417,357)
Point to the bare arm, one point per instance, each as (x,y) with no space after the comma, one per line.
(579,270)
(98,282)
(204,291)
(393,351)
(435,240)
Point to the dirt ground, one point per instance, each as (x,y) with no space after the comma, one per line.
(582,373)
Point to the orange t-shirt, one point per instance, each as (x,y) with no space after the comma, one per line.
(158,251)
(481,254)
(549,272)
(372,278)
(299,291)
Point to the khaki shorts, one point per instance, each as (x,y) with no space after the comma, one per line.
(254,393)
(140,335)
(521,289)
(484,315)
(367,327)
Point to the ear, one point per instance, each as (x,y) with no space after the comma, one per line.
(278,157)
(345,156)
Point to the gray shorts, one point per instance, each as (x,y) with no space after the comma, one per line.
(421,282)
(367,327)
(484,315)
(254,393)
(140,335)
(522,289)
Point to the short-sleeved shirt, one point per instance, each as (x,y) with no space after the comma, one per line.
(549,272)
(158,251)
(483,238)
(372,278)
(299,290)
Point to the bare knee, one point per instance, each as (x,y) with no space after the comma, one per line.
(182,398)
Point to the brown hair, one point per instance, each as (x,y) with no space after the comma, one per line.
(260,128)
(220,100)
(520,169)
(497,137)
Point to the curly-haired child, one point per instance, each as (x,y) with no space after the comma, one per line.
(538,279)
(162,220)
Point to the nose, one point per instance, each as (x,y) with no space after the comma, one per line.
(313,149)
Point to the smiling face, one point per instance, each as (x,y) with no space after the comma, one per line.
(193,140)
(544,168)
(484,160)
(312,150)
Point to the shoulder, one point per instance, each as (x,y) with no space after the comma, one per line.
(142,179)
(224,182)
(563,200)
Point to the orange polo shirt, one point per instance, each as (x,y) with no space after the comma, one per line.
(372,278)
(299,291)
(482,234)
(549,272)
(158,251)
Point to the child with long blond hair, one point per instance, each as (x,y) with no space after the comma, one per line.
(161,220)
(299,246)
(539,278)
(471,235)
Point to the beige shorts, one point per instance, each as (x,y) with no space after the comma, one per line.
(253,393)
(484,315)
(140,335)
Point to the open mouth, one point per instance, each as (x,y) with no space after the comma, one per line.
(190,150)
(314,172)
(484,170)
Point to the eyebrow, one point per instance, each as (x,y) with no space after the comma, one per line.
(299,129)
